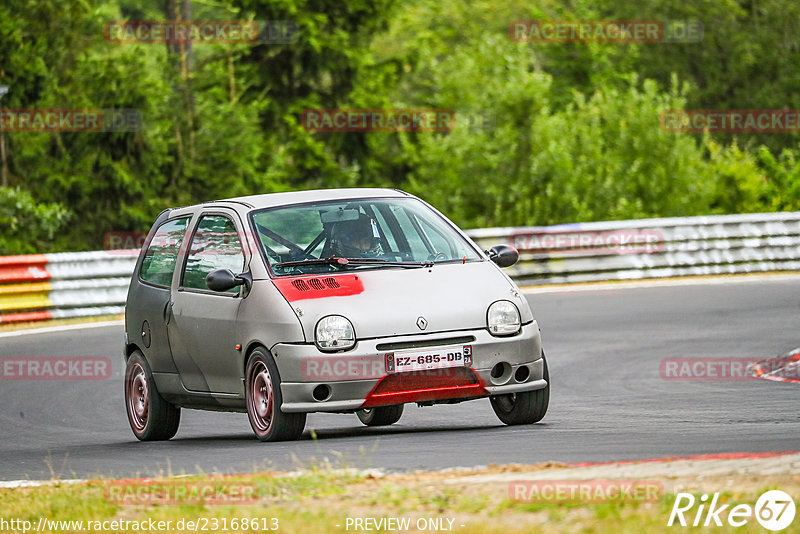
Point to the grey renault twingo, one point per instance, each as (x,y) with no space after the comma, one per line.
(347,301)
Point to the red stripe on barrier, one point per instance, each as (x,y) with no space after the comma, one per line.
(29,259)
(28,273)
(26,317)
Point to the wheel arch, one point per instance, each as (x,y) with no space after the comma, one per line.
(248,352)
(130,348)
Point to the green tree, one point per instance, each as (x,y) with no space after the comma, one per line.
(28,226)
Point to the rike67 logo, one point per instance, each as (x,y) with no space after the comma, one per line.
(774,510)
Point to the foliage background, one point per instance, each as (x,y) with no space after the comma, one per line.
(557,132)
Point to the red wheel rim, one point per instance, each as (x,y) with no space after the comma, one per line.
(138,398)
(261,402)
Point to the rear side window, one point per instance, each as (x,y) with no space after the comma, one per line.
(159,260)
(215,245)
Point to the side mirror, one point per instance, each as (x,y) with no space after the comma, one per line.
(503,255)
(224,279)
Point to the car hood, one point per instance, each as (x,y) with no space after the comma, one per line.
(389,301)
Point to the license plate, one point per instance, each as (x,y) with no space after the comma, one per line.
(433,358)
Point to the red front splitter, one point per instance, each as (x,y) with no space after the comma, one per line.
(423,386)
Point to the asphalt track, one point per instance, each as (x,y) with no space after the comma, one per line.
(609,401)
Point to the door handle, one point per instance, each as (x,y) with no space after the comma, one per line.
(168,311)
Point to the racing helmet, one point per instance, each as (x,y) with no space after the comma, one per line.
(358,238)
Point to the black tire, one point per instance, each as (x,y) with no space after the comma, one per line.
(263,396)
(382,416)
(523,408)
(151,417)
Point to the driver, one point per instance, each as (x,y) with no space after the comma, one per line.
(356,239)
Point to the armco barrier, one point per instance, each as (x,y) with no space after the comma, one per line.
(46,286)
(651,248)
(71,284)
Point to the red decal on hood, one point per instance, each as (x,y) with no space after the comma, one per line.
(316,287)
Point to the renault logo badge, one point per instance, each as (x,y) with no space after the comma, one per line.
(422,323)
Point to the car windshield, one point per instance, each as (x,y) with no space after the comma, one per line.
(391,232)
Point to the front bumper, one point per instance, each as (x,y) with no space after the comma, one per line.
(351,379)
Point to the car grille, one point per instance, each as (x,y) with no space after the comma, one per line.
(400,345)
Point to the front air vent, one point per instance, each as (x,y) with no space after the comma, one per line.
(331,282)
(317,284)
(300,285)
(319,287)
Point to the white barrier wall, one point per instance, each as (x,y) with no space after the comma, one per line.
(651,248)
(46,286)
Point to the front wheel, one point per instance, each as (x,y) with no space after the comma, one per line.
(263,392)
(523,408)
(385,415)
(151,417)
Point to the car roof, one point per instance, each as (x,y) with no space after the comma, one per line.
(296,197)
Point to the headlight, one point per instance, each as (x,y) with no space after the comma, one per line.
(503,318)
(334,332)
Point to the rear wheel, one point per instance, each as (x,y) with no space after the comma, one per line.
(523,408)
(385,415)
(263,392)
(151,417)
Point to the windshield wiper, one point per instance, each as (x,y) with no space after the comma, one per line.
(342,263)
(378,261)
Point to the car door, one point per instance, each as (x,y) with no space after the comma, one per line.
(149,297)
(202,326)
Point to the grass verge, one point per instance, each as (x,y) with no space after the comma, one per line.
(321,500)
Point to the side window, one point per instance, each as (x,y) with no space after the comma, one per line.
(159,260)
(215,245)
